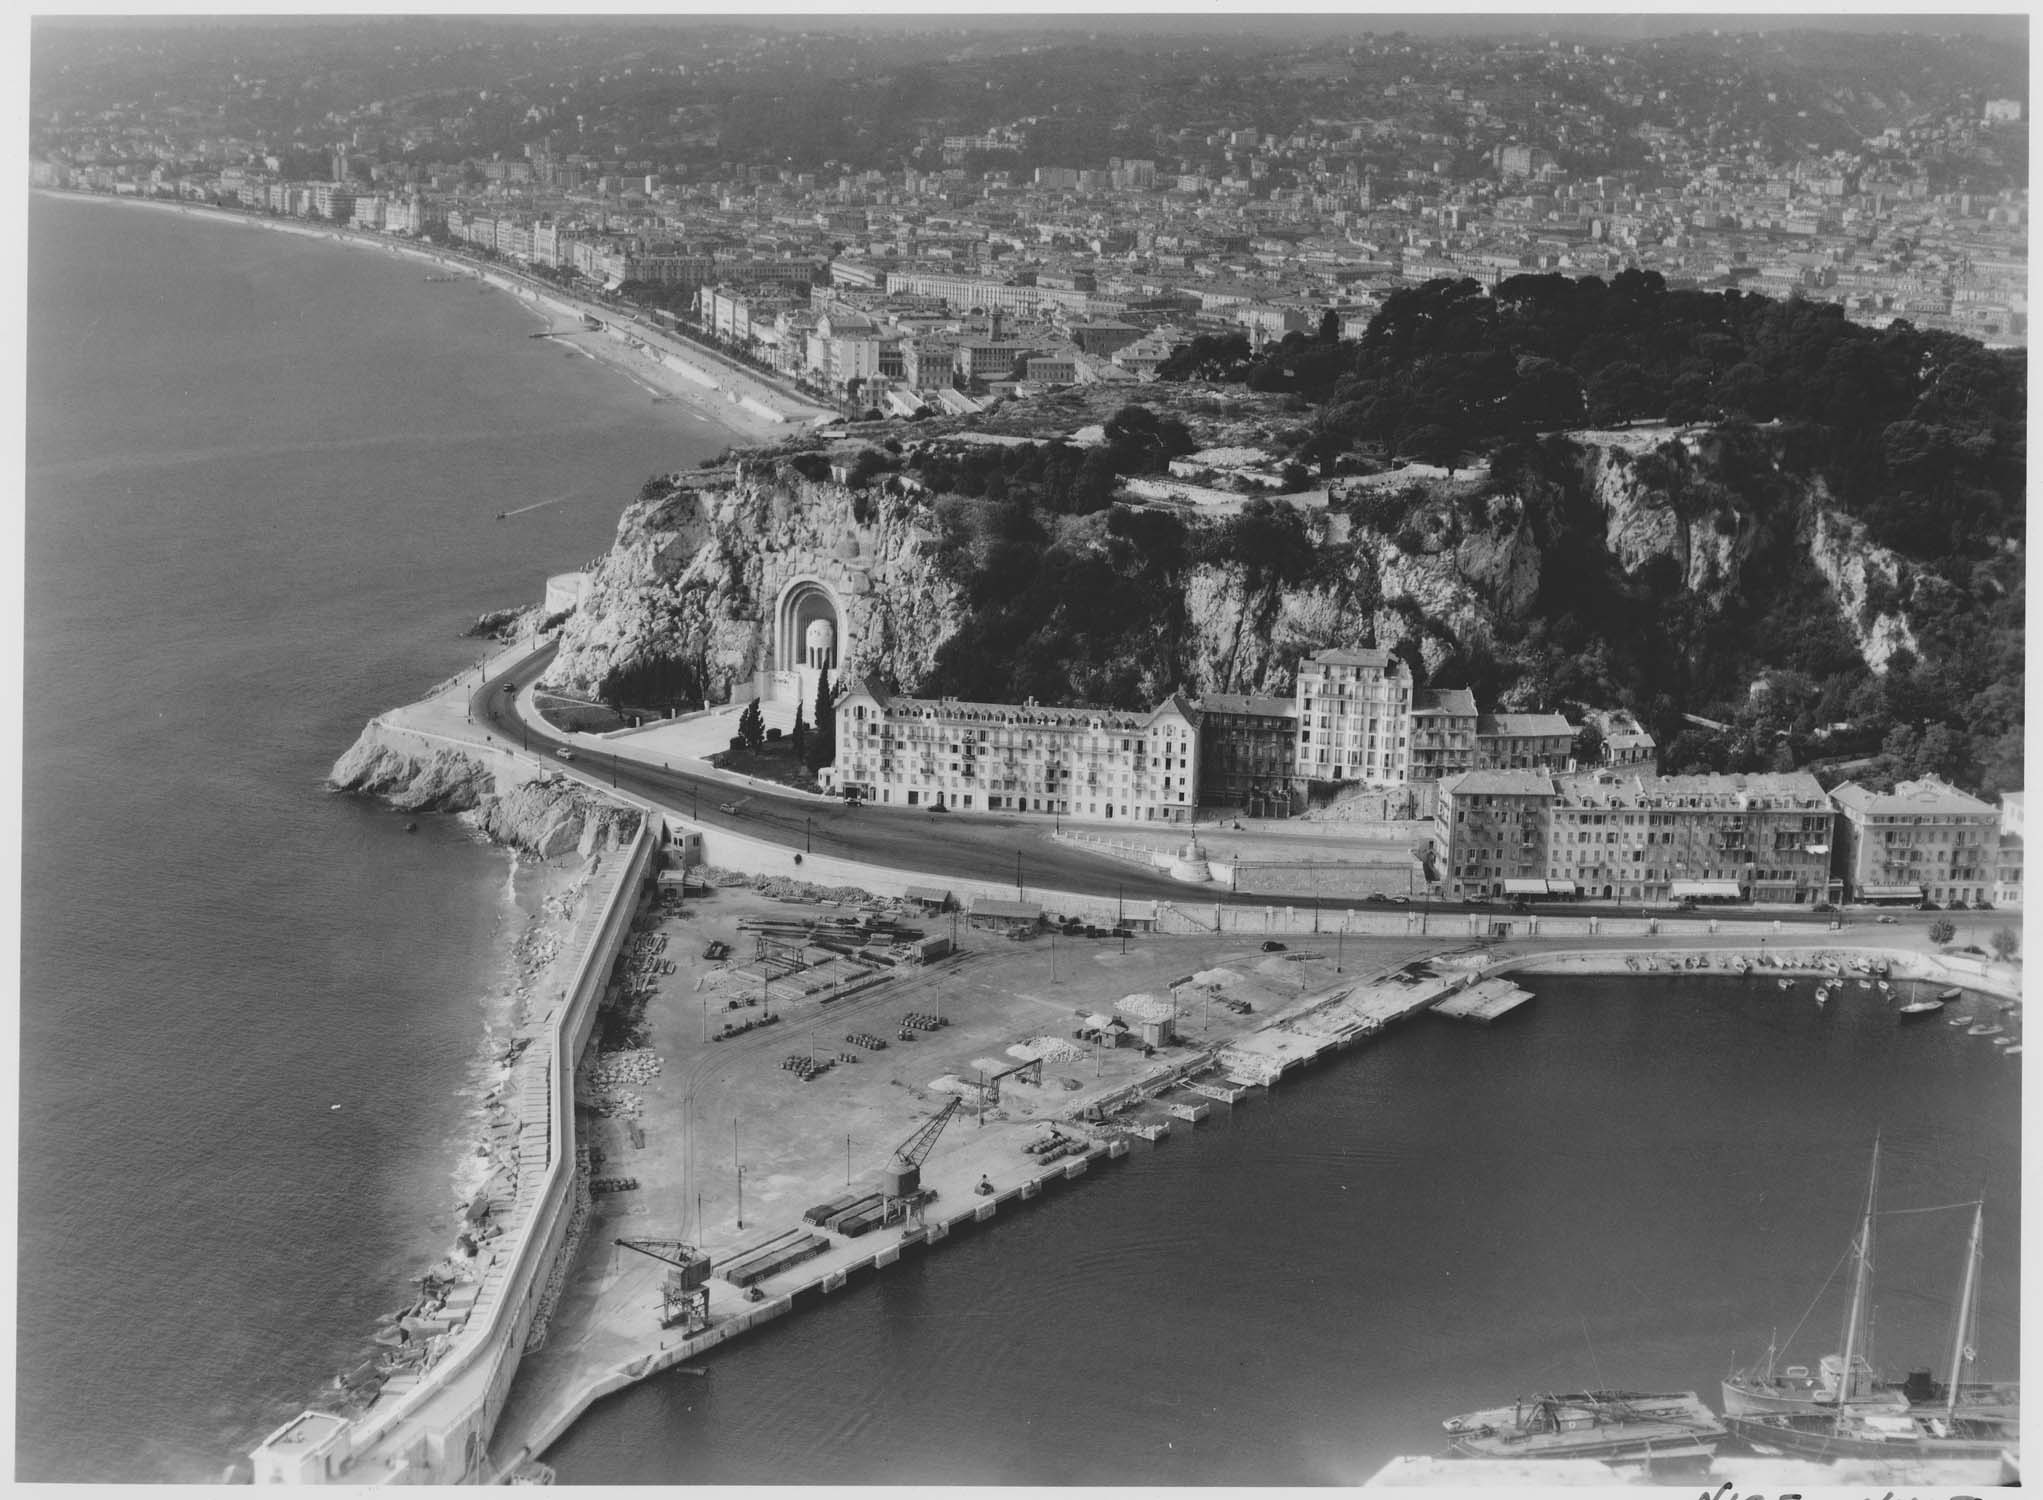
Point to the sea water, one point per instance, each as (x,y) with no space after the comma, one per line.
(1627,1183)
(263,475)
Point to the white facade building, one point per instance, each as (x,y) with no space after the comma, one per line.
(1354,717)
(1001,757)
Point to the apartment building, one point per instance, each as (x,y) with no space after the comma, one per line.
(1616,837)
(1354,716)
(1490,828)
(1925,840)
(1523,742)
(2007,883)
(1443,733)
(1248,747)
(1627,837)
(1004,757)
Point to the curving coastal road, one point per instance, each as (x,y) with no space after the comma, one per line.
(981,846)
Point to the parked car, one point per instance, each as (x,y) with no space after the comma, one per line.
(1888,920)
(1376,896)
(1925,906)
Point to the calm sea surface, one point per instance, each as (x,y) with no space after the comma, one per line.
(262,477)
(1625,1183)
(261,480)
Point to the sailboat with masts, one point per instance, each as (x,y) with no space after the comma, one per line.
(1844,1380)
(1962,1419)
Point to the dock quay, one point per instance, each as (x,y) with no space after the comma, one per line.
(1484,1001)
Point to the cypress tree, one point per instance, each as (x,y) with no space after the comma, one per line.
(823,749)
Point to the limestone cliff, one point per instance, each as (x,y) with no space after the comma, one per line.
(1867,580)
(1435,564)
(697,570)
(550,816)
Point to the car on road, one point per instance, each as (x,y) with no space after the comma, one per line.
(564,753)
(1271,945)
(1376,896)
(1890,921)
(1400,900)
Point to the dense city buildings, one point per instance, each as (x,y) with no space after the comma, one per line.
(1925,840)
(1400,160)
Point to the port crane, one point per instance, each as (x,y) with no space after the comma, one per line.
(684,1296)
(901,1187)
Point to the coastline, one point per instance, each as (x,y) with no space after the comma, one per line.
(714,389)
(603,1343)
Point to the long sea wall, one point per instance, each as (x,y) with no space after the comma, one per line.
(438,1430)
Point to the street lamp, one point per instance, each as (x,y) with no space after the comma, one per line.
(1017,875)
(740,1170)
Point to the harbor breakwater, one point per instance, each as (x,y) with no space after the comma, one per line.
(433,1424)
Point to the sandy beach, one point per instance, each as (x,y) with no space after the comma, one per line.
(666,368)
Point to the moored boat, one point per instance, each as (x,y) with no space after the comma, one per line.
(1984,1028)
(1843,1380)
(1960,1418)
(1607,1425)
(1915,1005)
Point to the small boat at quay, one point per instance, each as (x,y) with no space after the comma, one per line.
(1606,1425)
(1984,1028)
(1915,1005)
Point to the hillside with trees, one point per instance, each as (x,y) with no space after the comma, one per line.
(1782,417)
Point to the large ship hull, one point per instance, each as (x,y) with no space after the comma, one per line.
(1820,1437)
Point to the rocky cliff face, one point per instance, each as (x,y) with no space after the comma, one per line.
(552,816)
(1868,582)
(696,573)
(697,569)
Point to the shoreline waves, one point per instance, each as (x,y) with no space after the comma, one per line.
(712,388)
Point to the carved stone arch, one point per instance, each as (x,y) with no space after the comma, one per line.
(803,602)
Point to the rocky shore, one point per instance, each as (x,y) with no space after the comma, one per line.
(549,817)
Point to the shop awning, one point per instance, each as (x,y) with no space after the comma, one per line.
(1560,887)
(1703,890)
(1525,887)
(1890,893)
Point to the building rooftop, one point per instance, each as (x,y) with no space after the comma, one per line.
(1525,724)
(1926,797)
(1352,656)
(1249,703)
(1785,790)
(1501,783)
(1459,702)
